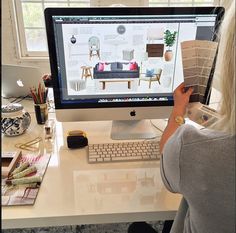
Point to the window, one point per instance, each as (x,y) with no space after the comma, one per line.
(31,26)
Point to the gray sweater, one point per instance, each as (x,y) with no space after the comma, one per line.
(200,165)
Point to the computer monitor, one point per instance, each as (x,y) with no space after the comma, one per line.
(117,63)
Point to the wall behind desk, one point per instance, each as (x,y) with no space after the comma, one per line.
(9,42)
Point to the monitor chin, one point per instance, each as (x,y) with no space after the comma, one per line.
(132,129)
(114,114)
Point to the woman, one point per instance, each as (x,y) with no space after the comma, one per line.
(200,164)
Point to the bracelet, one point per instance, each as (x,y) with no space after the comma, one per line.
(179,120)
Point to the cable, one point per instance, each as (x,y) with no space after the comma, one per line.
(24,97)
(156,127)
(17,99)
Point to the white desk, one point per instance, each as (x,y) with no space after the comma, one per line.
(74,192)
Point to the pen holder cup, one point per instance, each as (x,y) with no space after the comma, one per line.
(41,113)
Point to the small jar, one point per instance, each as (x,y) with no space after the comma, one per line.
(15,120)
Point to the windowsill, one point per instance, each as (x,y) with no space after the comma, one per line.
(33,59)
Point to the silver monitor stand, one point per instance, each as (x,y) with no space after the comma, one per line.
(132,129)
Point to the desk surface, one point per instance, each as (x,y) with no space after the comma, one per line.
(75,192)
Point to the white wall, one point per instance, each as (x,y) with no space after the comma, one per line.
(8,40)
(9,44)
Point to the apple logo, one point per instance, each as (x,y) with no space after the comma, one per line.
(132,113)
(19,83)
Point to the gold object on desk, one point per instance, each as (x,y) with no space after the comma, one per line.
(29,145)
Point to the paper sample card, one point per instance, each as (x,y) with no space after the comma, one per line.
(197,58)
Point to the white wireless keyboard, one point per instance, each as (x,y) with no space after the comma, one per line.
(124,151)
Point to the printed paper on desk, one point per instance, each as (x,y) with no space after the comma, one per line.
(25,194)
(197,58)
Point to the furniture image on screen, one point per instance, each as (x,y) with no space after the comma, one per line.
(155,50)
(152,78)
(77,85)
(115,80)
(128,54)
(94,47)
(116,71)
(86,72)
(155,33)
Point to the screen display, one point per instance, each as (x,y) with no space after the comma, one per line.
(115,59)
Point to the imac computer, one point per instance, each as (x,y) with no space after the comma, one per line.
(123,63)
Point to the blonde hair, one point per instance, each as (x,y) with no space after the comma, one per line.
(225,69)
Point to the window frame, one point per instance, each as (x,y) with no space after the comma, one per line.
(24,53)
(22,50)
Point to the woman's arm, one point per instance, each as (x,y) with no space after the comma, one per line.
(181,100)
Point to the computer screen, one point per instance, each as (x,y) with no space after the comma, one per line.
(121,63)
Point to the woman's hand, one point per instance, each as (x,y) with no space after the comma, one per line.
(181,99)
(46,77)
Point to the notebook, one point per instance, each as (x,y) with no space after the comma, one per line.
(17,80)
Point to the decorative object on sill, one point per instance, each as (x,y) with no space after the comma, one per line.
(169,39)
(15,120)
(73,39)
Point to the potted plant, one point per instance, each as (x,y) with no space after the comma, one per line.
(169,39)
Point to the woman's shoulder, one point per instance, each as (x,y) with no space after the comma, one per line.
(190,134)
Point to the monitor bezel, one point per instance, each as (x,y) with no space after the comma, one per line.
(50,12)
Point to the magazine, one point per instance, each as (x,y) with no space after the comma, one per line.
(25,194)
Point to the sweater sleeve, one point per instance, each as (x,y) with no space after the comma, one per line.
(170,161)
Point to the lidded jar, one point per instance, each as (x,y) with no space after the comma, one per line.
(15,120)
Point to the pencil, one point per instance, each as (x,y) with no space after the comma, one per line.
(40,94)
(46,94)
(37,97)
(33,95)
